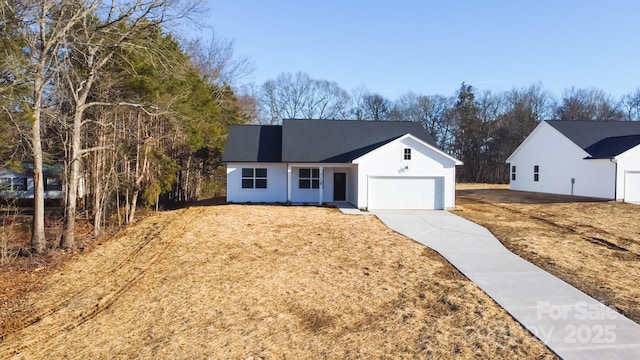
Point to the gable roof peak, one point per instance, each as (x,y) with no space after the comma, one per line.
(600,139)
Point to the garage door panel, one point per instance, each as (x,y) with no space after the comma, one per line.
(406,193)
(632,186)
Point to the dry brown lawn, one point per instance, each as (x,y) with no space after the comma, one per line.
(593,245)
(249,282)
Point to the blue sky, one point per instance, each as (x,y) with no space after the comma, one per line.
(431,47)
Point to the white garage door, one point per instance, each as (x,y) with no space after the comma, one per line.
(632,186)
(406,193)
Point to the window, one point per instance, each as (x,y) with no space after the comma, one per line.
(309,179)
(15,184)
(5,183)
(513,172)
(536,172)
(19,184)
(254,178)
(406,154)
(52,184)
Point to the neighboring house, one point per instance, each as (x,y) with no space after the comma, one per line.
(586,158)
(370,164)
(18,183)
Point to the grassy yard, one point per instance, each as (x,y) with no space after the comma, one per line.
(254,282)
(593,245)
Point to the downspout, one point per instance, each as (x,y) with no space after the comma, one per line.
(288,183)
(321,185)
(615,179)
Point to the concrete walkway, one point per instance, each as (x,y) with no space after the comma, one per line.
(348,209)
(571,323)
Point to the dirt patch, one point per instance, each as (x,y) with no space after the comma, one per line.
(470,186)
(263,282)
(590,243)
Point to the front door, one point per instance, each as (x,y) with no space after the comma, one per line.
(339,186)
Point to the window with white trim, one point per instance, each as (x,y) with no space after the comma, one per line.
(536,173)
(5,183)
(14,183)
(254,178)
(52,184)
(309,178)
(513,172)
(406,154)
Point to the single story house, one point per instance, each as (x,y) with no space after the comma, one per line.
(18,183)
(587,158)
(370,164)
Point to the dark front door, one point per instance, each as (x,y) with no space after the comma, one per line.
(339,187)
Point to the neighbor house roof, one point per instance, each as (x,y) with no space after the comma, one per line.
(601,139)
(316,141)
(26,169)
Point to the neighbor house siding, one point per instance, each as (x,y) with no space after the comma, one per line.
(388,160)
(629,161)
(29,193)
(560,160)
(276,190)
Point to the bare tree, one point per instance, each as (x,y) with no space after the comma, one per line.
(588,104)
(93,44)
(375,107)
(431,111)
(217,61)
(292,96)
(43,26)
(630,104)
(249,100)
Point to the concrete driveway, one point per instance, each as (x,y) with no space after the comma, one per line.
(571,323)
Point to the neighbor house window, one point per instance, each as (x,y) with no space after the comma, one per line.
(5,183)
(52,184)
(406,154)
(19,184)
(254,178)
(536,172)
(513,172)
(309,179)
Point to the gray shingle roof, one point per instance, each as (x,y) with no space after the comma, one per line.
(315,141)
(254,143)
(341,141)
(601,139)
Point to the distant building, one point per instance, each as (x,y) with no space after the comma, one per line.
(18,183)
(586,158)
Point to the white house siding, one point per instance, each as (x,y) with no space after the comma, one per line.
(327,195)
(276,190)
(387,161)
(628,168)
(303,195)
(313,195)
(352,185)
(559,161)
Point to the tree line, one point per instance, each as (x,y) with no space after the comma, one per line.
(481,128)
(135,115)
(139,116)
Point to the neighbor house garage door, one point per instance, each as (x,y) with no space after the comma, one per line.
(632,186)
(406,193)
